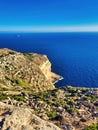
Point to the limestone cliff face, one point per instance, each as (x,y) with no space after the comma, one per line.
(28,71)
(45,66)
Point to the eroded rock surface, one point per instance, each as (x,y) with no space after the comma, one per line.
(30,101)
(16,118)
(28,71)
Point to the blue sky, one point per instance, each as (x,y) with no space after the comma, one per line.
(49,15)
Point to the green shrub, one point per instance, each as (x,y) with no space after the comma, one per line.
(3,96)
(12,52)
(29,56)
(51,114)
(22,83)
(92,127)
(87,98)
(72,102)
(72,110)
(4,89)
(84,90)
(18,97)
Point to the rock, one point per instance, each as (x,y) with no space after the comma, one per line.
(96,103)
(83,120)
(67,127)
(43,116)
(29,71)
(16,118)
(86,103)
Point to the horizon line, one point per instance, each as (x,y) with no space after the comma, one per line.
(51,29)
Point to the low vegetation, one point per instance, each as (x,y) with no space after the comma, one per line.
(59,105)
(24,84)
(92,127)
(21,82)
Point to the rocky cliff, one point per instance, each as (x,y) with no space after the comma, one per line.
(25,71)
(30,101)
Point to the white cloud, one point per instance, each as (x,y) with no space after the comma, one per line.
(51,29)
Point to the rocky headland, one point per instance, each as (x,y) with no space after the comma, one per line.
(30,101)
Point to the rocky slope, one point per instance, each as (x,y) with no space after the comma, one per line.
(69,108)
(13,118)
(30,101)
(25,71)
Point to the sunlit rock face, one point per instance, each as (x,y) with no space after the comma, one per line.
(25,71)
(15,118)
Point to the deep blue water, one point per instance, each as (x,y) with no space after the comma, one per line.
(73,55)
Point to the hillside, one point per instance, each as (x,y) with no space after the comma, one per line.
(69,108)
(25,71)
(15,118)
(30,101)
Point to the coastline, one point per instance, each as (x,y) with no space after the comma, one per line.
(27,83)
(59,79)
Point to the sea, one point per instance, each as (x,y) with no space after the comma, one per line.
(74,56)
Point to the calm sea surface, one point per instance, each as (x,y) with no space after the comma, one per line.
(73,55)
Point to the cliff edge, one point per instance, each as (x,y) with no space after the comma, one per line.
(29,99)
(25,71)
